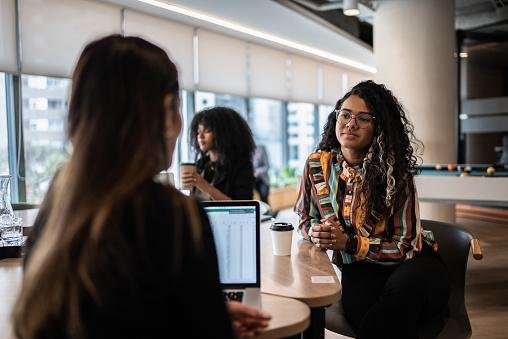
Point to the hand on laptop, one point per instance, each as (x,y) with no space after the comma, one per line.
(247,321)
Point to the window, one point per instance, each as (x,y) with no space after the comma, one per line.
(323,113)
(208,99)
(301,133)
(45,102)
(181,153)
(187,112)
(266,122)
(4,157)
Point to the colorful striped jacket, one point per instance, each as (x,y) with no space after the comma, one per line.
(323,195)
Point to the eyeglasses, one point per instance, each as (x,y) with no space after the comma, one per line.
(363,120)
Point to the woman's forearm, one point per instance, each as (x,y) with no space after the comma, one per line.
(213,192)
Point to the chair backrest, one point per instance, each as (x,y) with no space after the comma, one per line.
(454,245)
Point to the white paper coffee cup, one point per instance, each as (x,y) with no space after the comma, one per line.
(282,236)
(186,167)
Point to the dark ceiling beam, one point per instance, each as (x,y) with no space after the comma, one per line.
(484,37)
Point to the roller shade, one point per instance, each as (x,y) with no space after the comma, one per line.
(332,84)
(7,36)
(174,38)
(267,72)
(221,64)
(355,77)
(54,32)
(303,79)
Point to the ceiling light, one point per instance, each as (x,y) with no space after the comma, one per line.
(350,8)
(259,34)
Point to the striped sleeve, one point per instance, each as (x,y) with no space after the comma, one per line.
(306,205)
(404,235)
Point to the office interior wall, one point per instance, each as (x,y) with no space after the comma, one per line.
(486,78)
(480,147)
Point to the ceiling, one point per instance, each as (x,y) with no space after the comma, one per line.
(481,29)
(479,20)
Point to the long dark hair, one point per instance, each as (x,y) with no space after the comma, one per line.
(391,160)
(117,124)
(232,139)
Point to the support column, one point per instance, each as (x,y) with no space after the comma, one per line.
(414,49)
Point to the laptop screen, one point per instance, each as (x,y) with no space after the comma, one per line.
(235,227)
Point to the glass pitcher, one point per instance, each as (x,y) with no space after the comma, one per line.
(5,201)
(11,230)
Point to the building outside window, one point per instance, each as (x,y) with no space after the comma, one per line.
(187,112)
(207,100)
(4,155)
(45,104)
(323,112)
(266,122)
(181,151)
(301,133)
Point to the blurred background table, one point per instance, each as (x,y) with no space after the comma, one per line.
(475,188)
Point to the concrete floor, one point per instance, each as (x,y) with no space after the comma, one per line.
(487,280)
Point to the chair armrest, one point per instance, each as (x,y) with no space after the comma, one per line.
(476,249)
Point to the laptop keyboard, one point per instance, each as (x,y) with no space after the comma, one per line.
(233,295)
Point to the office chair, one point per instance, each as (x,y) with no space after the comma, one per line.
(454,245)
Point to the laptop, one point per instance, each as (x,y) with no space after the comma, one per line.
(235,227)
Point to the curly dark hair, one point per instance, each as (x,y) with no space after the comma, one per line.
(232,139)
(393,156)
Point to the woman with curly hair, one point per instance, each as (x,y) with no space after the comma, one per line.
(358,198)
(224,147)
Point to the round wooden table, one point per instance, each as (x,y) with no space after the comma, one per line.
(289,316)
(306,275)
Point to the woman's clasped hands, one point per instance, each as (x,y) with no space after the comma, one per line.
(328,235)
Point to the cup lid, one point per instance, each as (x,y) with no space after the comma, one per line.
(281,226)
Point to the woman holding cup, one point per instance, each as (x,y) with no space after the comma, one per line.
(224,145)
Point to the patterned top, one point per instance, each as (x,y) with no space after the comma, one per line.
(330,189)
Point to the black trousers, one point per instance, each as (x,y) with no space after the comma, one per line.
(394,302)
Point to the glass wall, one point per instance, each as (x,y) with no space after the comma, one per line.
(45,102)
(187,111)
(182,149)
(289,131)
(4,155)
(266,119)
(208,99)
(301,133)
(323,112)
